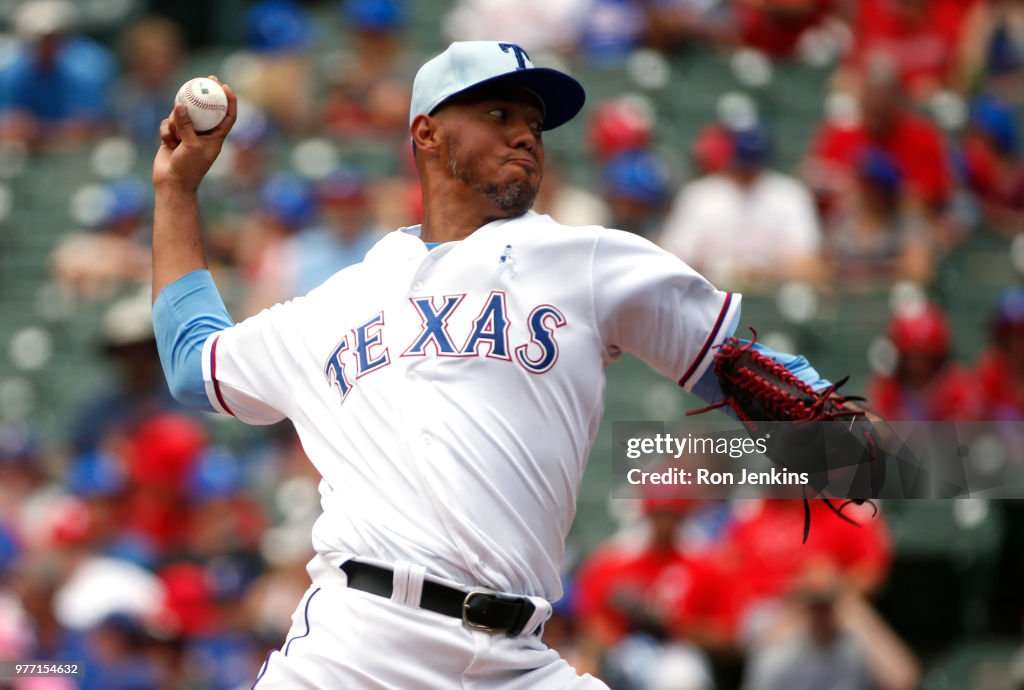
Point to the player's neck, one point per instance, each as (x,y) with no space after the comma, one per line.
(447,217)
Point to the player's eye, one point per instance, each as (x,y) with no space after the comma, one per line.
(497,112)
(537,127)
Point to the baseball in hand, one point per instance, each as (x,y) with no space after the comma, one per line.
(207,103)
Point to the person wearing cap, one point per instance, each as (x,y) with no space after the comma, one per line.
(827,635)
(747,225)
(618,125)
(927,383)
(153,52)
(93,265)
(54,90)
(887,121)
(132,392)
(288,207)
(873,235)
(347,232)
(999,368)
(369,87)
(448,388)
(650,583)
(279,35)
(992,169)
(636,186)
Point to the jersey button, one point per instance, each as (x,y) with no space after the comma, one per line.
(411,376)
(417,286)
(427,439)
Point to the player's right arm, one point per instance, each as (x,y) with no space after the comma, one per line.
(187,308)
(181,163)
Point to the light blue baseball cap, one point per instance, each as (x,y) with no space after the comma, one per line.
(466,65)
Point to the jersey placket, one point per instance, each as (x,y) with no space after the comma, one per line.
(417,371)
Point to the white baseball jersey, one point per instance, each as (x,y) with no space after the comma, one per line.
(449,398)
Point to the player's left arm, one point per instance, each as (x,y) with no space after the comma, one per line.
(709,390)
(651,304)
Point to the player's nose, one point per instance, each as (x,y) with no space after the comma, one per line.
(523,135)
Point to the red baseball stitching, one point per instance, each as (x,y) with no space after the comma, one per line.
(195,100)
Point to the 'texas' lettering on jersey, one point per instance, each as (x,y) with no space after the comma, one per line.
(487,337)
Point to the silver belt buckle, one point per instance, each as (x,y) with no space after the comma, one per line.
(465,611)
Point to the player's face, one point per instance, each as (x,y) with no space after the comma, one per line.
(492,144)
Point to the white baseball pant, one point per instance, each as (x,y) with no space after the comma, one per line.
(346,639)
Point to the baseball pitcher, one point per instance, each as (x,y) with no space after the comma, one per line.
(448,388)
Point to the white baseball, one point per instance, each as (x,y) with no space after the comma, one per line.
(207,103)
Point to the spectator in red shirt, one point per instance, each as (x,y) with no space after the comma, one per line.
(927,385)
(651,586)
(1000,368)
(763,559)
(921,38)
(886,122)
(775,26)
(883,120)
(158,460)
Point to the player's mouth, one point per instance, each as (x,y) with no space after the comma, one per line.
(529,164)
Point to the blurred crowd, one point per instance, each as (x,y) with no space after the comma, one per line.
(161,558)
(689,587)
(917,150)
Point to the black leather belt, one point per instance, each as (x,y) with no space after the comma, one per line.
(479,609)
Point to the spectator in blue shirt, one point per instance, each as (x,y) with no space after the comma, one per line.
(54,90)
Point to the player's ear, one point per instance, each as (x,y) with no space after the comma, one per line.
(425,132)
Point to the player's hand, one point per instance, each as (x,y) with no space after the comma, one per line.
(184,157)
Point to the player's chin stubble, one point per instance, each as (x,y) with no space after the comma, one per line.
(514,198)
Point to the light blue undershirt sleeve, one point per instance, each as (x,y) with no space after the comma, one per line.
(185,314)
(797,365)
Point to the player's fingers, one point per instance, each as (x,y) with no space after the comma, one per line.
(183,128)
(232,113)
(168,136)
